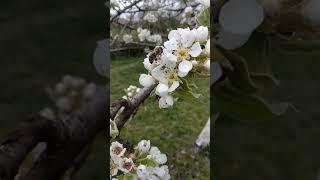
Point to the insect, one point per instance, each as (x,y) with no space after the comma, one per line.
(155,54)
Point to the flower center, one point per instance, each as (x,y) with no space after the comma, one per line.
(117,150)
(170,73)
(127,165)
(182,54)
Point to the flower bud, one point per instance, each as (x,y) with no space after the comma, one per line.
(194,63)
(114,132)
(144,146)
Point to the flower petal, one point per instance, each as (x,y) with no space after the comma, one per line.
(146,80)
(169,60)
(184,68)
(171,45)
(147,64)
(174,86)
(195,50)
(187,38)
(162,103)
(169,100)
(162,90)
(165,102)
(174,34)
(159,75)
(202,34)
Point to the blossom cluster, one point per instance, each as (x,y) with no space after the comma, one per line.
(151,18)
(188,16)
(131,91)
(68,95)
(127,38)
(186,51)
(145,162)
(145,35)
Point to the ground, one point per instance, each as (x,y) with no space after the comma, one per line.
(173,130)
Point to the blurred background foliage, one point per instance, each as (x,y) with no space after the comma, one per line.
(41,41)
(252,145)
(283,147)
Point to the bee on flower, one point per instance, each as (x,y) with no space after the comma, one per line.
(181,54)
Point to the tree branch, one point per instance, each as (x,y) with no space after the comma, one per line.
(130,106)
(124,10)
(78,131)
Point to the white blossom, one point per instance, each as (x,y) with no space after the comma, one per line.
(162,172)
(183,43)
(188,10)
(184,68)
(126,165)
(116,152)
(143,34)
(127,38)
(146,80)
(144,146)
(135,166)
(201,34)
(156,155)
(150,18)
(143,172)
(168,74)
(155,38)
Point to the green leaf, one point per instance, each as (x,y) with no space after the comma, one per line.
(239,76)
(128,176)
(203,18)
(147,162)
(121,177)
(185,85)
(185,92)
(187,95)
(246,107)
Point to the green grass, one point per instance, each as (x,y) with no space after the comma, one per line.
(173,130)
